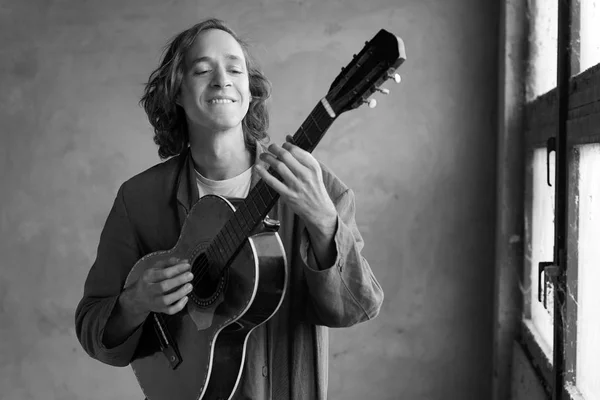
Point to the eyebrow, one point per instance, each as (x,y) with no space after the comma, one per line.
(228,56)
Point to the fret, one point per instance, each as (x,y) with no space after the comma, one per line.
(307,138)
(260,196)
(264,188)
(316,123)
(239,238)
(236,218)
(221,245)
(232,240)
(225,243)
(272,193)
(251,223)
(241,219)
(258,212)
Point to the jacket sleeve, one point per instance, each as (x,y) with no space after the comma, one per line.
(346,292)
(117,252)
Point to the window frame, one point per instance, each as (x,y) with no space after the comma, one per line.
(583,127)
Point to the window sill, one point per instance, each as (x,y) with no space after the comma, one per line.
(540,357)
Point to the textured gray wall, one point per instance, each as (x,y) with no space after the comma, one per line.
(422,164)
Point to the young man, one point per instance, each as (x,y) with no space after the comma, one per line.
(206,102)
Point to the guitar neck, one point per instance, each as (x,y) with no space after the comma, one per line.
(262,197)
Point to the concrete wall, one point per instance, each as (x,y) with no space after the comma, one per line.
(422,164)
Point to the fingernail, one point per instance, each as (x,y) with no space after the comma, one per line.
(189,275)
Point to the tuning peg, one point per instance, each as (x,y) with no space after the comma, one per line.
(396,77)
(384,91)
(370,103)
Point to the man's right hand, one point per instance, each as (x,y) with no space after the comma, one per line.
(161,289)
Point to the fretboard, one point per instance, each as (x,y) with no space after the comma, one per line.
(253,210)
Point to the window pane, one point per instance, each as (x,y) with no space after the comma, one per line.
(542,245)
(588,310)
(543,45)
(589,34)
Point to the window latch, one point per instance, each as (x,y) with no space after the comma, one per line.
(550,271)
(550,147)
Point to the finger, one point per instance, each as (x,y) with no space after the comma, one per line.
(168,285)
(160,274)
(303,157)
(288,159)
(282,169)
(273,182)
(174,309)
(171,298)
(165,262)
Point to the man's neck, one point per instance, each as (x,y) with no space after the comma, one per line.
(220,155)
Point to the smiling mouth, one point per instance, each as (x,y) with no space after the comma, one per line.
(221,101)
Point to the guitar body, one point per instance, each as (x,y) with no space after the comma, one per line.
(211,332)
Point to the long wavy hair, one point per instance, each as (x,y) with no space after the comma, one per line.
(168,118)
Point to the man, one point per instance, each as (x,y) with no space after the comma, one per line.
(206,102)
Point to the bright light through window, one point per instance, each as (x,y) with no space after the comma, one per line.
(588,315)
(589,34)
(542,246)
(543,45)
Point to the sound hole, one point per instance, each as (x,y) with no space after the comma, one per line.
(206,289)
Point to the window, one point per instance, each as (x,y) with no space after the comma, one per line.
(581,311)
(589,34)
(588,271)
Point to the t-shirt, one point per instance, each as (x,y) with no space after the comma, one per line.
(236,187)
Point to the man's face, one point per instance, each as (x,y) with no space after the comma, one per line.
(215,92)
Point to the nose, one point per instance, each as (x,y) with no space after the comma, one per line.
(221,78)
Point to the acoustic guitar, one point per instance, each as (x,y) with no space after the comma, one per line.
(238,260)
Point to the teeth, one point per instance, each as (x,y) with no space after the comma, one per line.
(220,101)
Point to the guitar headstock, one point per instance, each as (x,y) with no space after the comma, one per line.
(368,70)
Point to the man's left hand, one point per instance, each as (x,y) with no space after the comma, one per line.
(302,186)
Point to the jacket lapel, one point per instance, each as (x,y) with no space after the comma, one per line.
(187,191)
